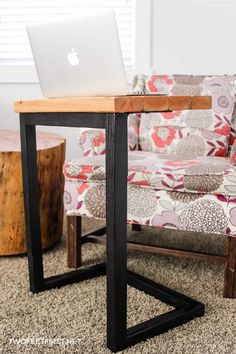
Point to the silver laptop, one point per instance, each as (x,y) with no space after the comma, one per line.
(79,56)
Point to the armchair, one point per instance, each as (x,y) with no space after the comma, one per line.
(181,175)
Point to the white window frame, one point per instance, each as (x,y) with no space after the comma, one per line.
(27,74)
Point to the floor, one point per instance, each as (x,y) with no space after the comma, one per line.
(73,319)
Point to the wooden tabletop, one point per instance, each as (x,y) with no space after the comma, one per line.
(118,104)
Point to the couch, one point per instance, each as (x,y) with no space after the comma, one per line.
(182,169)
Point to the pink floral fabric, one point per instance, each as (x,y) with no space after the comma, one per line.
(233,154)
(196,195)
(161,84)
(211,175)
(199,212)
(195,132)
(184,177)
(92,141)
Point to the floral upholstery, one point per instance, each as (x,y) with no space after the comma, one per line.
(204,174)
(190,133)
(153,207)
(197,195)
(185,134)
(92,141)
(233,154)
(184,174)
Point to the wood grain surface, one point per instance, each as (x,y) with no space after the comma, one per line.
(50,158)
(146,103)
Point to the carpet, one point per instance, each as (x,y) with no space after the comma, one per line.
(73,319)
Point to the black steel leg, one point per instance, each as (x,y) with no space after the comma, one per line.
(118,337)
(31,200)
(116,218)
(185,310)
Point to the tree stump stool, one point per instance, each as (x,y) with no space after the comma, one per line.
(50,159)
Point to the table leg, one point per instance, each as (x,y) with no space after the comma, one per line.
(116,209)
(118,336)
(31,203)
(31,200)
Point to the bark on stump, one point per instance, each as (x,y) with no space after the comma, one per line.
(50,158)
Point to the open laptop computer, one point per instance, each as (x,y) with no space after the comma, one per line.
(79,56)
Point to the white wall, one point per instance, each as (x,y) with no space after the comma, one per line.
(186,37)
(194,37)
(9,93)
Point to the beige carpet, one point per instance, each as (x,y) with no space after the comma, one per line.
(77,312)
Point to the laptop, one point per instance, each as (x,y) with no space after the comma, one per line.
(79,56)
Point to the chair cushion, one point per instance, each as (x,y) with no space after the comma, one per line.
(190,133)
(204,174)
(153,207)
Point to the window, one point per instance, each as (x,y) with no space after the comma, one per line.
(15,14)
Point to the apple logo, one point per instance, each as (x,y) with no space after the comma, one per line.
(72,57)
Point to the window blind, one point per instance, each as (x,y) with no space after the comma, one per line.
(15,14)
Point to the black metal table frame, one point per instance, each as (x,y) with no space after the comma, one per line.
(118,336)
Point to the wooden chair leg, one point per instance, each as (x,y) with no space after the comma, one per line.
(136,227)
(230,269)
(74,230)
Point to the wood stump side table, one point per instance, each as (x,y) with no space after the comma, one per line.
(50,159)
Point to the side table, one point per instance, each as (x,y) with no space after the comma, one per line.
(109,113)
(50,158)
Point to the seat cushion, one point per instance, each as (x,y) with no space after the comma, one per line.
(190,133)
(153,207)
(202,175)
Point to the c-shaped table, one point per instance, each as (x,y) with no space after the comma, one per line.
(111,114)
